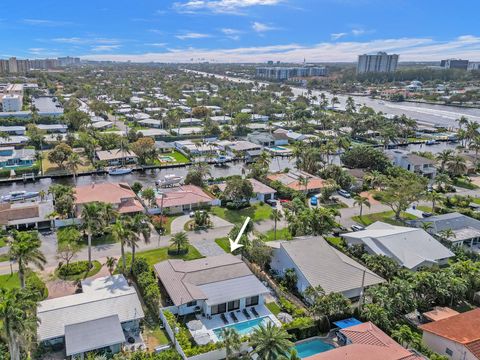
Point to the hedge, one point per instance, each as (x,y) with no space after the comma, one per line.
(147,284)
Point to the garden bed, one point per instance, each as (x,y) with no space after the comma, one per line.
(78,270)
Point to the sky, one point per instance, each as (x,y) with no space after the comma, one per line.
(240,30)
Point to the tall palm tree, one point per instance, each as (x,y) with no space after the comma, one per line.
(303,181)
(19,321)
(91,217)
(25,249)
(361,201)
(180,240)
(276,216)
(140,230)
(121,234)
(444,157)
(73,163)
(270,342)
(232,341)
(457,166)
(434,197)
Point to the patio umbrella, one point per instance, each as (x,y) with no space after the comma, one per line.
(284,317)
(194,325)
(202,338)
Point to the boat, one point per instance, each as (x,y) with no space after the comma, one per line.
(222,159)
(20,195)
(119,171)
(431,142)
(169,180)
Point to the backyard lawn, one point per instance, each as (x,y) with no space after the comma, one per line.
(282,234)
(156,255)
(49,168)
(273,307)
(387,216)
(155,337)
(257,213)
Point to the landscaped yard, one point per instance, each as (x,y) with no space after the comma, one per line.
(282,234)
(156,255)
(223,243)
(155,337)
(273,307)
(256,212)
(49,168)
(464,183)
(8,281)
(387,216)
(335,241)
(96,266)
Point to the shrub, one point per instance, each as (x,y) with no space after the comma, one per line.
(34,283)
(140,266)
(75,268)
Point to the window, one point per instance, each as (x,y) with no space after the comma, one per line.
(448,352)
(218,309)
(233,305)
(252,301)
(192,303)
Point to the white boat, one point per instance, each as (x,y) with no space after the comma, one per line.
(169,180)
(222,159)
(19,195)
(119,171)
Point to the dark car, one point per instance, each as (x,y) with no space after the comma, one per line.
(426,214)
(357,228)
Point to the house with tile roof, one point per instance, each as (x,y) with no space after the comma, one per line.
(457,336)
(184,198)
(411,248)
(366,342)
(316,263)
(120,195)
(261,192)
(293,180)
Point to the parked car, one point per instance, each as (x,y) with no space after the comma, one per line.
(357,227)
(313,201)
(426,214)
(282,201)
(192,213)
(344,193)
(271,202)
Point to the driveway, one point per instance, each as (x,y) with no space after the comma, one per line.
(178,224)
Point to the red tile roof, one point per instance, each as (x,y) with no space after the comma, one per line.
(184,195)
(440,313)
(462,328)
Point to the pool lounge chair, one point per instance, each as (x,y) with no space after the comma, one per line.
(232,315)
(224,318)
(254,311)
(246,314)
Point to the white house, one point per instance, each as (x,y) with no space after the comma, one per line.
(413,163)
(412,248)
(316,263)
(261,192)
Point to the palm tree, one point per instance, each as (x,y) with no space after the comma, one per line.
(361,201)
(404,335)
(276,216)
(111,263)
(426,226)
(270,342)
(73,164)
(446,234)
(180,240)
(140,230)
(303,181)
(434,197)
(231,340)
(91,217)
(441,180)
(444,157)
(457,166)
(43,194)
(25,249)
(121,234)
(18,318)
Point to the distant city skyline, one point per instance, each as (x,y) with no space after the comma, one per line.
(240,30)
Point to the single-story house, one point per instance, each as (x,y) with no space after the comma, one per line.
(13,130)
(121,196)
(156,134)
(14,140)
(221,119)
(288,135)
(293,180)
(210,286)
(264,139)
(412,248)
(316,263)
(11,157)
(184,198)
(413,163)
(261,192)
(189,130)
(457,336)
(241,147)
(151,123)
(117,156)
(260,118)
(53,128)
(190,122)
(102,125)
(26,215)
(164,147)
(196,148)
(366,342)
(466,230)
(104,316)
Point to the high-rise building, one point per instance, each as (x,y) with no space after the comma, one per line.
(12,103)
(473,65)
(285,73)
(454,64)
(12,65)
(377,63)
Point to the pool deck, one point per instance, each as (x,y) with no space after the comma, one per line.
(216,321)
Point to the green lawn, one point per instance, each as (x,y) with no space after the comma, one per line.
(9,281)
(335,241)
(273,307)
(463,183)
(94,270)
(3,241)
(386,216)
(282,234)
(256,212)
(178,156)
(223,243)
(424,208)
(156,255)
(156,336)
(4,257)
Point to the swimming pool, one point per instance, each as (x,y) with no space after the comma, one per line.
(312,347)
(278,148)
(245,327)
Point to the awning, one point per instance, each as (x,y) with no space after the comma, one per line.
(346,323)
(93,334)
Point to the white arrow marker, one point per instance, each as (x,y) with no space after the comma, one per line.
(234,245)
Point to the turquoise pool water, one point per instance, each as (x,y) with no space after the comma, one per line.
(244,328)
(312,347)
(278,148)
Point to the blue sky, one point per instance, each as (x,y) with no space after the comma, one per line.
(240,30)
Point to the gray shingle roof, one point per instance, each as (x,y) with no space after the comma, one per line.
(93,334)
(322,265)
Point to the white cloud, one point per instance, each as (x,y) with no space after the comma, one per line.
(233,34)
(261,27)
(157,44)
(410,49)
(101,48)
(83,41)
(221,6)
(44,22)
(336,36)
(192,35)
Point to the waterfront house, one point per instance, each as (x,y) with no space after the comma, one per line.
(413,163)
(116,157)
(294,180)
(184,198)
(261,192)
(11,157)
